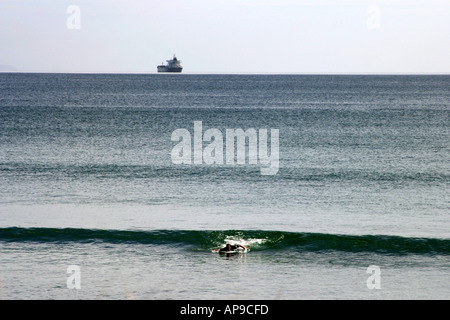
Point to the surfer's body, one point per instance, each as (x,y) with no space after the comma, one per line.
(231,248)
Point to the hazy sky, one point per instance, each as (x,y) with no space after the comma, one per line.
(226,36)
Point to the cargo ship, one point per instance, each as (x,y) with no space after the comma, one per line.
(173,65)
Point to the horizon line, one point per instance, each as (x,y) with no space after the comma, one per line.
(223,73)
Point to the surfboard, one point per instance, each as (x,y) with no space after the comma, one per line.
(238,250)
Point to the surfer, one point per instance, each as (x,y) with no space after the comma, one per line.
(230,247)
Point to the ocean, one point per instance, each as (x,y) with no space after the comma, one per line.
(122,186)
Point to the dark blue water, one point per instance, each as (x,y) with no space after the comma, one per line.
(87,178)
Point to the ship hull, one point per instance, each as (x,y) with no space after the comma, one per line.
(166,69)
(174,69)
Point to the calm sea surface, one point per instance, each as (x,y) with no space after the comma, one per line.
(358,207)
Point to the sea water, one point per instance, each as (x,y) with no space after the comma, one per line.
(93,205)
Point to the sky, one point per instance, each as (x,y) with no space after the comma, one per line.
(226,36)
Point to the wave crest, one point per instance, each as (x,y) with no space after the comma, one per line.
(257,240)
